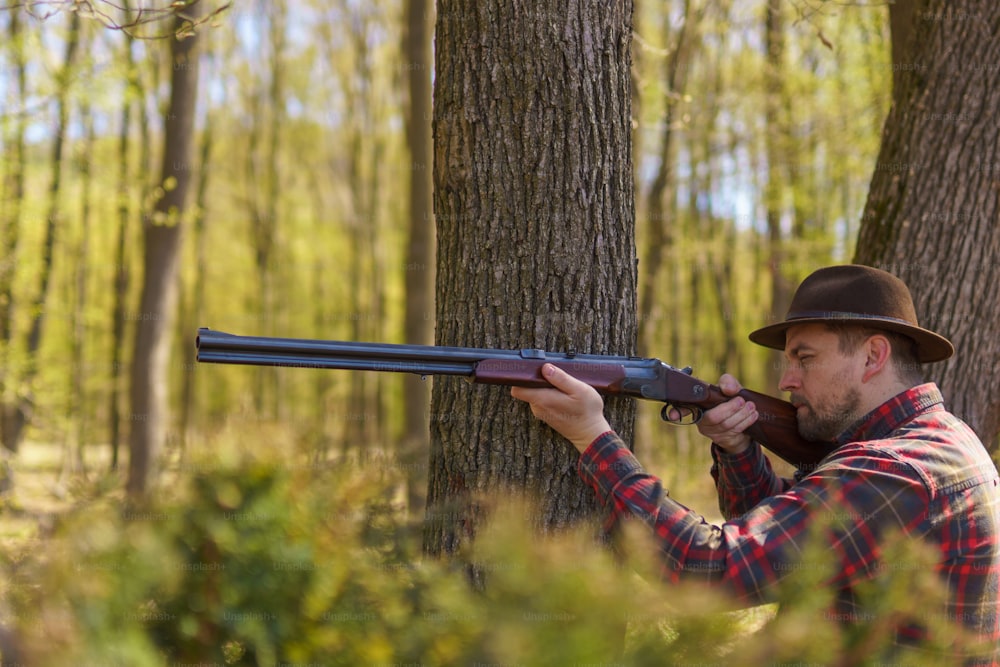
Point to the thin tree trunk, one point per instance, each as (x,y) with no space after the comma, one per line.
(263,178)
(19,414)
(197,306)
(73,460)
(660,237)
(277,13)
(14,163)
(120,283)
(161,253)
(10,225)
(419,270)
(775,138)
(661,211)
(364,413)
(374,431)
(12,194)
(323,383)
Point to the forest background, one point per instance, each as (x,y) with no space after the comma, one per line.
(755,135)
(298,223)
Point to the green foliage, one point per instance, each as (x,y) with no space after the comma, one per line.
(257,563)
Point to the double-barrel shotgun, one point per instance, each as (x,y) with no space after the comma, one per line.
(650,379)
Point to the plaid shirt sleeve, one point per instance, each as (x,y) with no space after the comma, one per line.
(744,480)
(751,552)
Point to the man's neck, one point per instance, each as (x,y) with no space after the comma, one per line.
(880,392)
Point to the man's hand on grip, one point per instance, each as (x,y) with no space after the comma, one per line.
(725,423)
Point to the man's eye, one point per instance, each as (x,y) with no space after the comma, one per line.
(804,362)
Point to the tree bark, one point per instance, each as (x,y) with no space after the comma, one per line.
(161,253)
(535,220)
(902,25)
(932,210)
(419,270)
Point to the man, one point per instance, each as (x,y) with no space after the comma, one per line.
(903,464)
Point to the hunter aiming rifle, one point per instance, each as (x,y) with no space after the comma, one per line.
(651,379)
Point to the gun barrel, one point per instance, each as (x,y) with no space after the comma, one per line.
(225,348)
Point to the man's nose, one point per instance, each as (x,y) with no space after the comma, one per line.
(790,379)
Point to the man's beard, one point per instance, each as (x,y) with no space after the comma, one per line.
(826,425)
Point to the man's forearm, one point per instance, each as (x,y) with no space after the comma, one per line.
(743,480)
(688,547)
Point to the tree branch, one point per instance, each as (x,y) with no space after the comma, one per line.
(103,12)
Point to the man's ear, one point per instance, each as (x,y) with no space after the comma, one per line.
(877,350)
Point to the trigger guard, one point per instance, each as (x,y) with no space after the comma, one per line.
(696,413)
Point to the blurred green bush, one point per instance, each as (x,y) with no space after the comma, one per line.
(255,563)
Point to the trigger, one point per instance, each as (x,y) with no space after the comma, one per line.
(688,415)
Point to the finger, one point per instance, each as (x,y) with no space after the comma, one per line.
(677,414)
(728,417)
(739,421)
(532,395)
(562,380)
(730,386)
(723,411)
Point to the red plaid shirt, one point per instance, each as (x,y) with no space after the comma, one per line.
(909,466)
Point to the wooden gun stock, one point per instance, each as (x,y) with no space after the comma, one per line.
(777,428)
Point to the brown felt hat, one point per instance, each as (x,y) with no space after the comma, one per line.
(861,294)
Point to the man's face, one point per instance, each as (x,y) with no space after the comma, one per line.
(823,382)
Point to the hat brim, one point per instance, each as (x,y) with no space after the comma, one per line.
(931,347)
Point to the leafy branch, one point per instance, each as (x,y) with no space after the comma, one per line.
(121,17)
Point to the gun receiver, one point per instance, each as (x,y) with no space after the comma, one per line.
(649,379)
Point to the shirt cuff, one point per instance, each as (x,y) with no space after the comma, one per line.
(606,463)
(746,455)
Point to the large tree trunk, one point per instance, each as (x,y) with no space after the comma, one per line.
(419,322)
(535,219)
(932,210)
(161,254)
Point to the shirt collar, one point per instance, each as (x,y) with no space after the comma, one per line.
(892,414)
